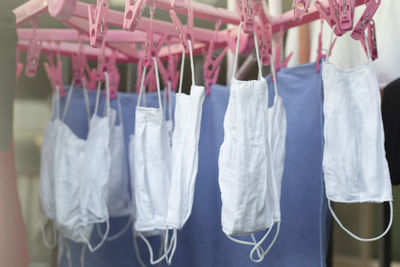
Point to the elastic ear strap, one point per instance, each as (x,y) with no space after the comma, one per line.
(359,238)
(120,115)
(330,44)
(82,258)
(158,82)
(191,61)
(367,46)
(68,252)
(272,65)
(117,235)
(57,103)
(141,86)
(45,242)
(258,55)
(107,90)
(101,242)
(152,261)
(170,246)
(169,101)
(269,247)
(96,105)
(182,70)
(86,98)
(71,89)
(260,250)
(236,51)
(135,246)
(258,245)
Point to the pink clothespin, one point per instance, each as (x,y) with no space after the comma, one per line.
(211,66)
(300,8)
(320,55)
(264,38)
(278,64)
(247,14)
(184,34)
(346,13)
(78,62)
(371,39)
(101,63)
(19,65)
(133,11)
(54,73)
(330,15)
(366,17)
(33,53)
(115,77)
(98,22)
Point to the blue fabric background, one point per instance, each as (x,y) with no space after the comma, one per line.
(305,219)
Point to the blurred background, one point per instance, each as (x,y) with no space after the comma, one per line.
(32,112)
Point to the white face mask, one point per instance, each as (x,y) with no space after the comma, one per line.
(150,158)
(354,163)
(96,166)
(244,161)
(46,192)
(185,155)
(69,153)
(118,196)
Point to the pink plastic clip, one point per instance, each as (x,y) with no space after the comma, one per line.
(330,15)
(264,37)
(101,63)
(54,73)
(19,65)
(184,34)
(366,17)
(33,53)
(211,66)
(98,22)
(114,76)
(170,74)
(246,12)
(133,11)
(300,8)
(371,39)
(346,13)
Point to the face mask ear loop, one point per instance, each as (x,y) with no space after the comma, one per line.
(141,87)
(68,252)
(269,247)
(258,56)
(82,258)
(359,238)
(172,246)
(71,89)
(274,75)
(258,245)
(182,70)
(135,246)
(44,238)
(152,261)
(86,98)
(158,83)
(117,235)
(330,44)
(260,250)
(236,52)
(191,62)
(169,102)
(91,249)
(367,46)
(96,106)
(107,90)
(56,98)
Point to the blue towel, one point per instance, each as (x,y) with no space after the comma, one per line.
(305,224)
